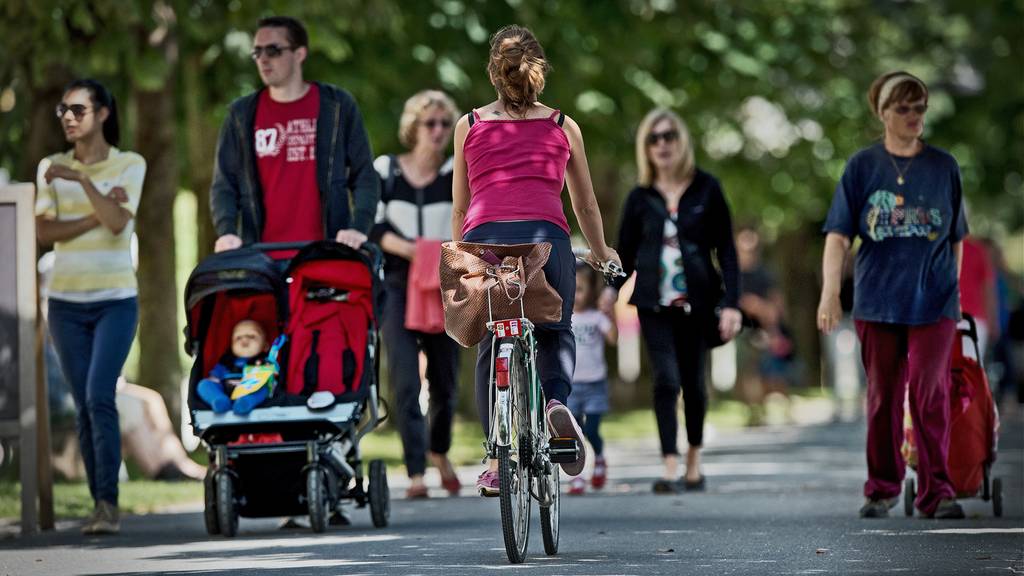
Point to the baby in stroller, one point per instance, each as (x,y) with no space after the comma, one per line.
(245,376)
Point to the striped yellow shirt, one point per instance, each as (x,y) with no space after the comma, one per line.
(98,264)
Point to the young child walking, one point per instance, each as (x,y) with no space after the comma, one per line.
(592,328)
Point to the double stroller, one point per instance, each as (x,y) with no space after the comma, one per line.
(291,456)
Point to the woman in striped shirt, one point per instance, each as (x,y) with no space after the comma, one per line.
(85,208)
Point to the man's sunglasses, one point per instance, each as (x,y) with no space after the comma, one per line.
(669,136)
(271,50)
(431,124)
(903,109)
(77,110)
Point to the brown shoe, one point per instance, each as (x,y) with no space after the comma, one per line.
(416,492)
(449,480)
(87,524)
(106,520)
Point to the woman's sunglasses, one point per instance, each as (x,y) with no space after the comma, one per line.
(903,109)
(669,136)
(77,110)
(271,50)
(432,123)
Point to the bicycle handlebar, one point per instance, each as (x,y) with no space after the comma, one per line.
(610,268)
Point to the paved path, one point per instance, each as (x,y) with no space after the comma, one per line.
(779,501)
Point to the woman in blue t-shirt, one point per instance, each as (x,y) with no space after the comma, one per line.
(903,199)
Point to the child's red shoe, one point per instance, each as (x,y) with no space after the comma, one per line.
(600,473)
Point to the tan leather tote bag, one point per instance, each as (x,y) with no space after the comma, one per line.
(509,273)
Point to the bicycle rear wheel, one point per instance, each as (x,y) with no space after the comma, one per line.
(514,466)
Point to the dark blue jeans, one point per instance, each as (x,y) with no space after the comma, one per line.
(92,340)
(556,347)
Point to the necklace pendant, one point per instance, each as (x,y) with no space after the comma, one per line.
(899,180)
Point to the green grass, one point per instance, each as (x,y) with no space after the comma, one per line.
(72,499)
(385,443)
(467,437)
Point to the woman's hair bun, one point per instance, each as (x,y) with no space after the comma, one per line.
(517,67)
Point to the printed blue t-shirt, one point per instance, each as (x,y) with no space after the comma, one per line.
(906,269)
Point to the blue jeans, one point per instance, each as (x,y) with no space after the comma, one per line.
(556,347)
(92,340)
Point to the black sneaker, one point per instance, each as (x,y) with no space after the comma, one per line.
(695,485)
(877,508)
(948,509)
(339,518)
(663,486)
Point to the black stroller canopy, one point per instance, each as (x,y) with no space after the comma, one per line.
(235,270)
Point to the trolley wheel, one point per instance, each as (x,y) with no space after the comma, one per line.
(316,498)
(986,482)
(549,514)
(380,497)
(210,504)
(909,494)
(997,497)
(227,510)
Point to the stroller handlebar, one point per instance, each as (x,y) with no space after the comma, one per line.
(368,248)
(272,246)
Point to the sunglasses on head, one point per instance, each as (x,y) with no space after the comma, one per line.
(904,109)
(271,50)
(77,110)
(432,123)
(669,136)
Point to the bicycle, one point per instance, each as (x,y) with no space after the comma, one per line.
(527,458)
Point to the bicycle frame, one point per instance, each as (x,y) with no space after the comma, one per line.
(501,397)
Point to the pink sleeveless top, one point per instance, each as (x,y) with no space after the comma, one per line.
(516,170)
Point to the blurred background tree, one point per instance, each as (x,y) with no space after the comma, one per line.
(774,94)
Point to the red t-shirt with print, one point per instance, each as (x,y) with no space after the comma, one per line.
(285,137)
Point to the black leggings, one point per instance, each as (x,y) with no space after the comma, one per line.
(677,350)
(403,359)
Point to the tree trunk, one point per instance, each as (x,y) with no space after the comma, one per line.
(202,144)
(799,263)
(159,367)
(44,136)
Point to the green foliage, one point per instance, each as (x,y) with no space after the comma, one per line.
(773,92)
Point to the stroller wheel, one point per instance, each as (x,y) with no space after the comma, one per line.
(997,497)
(380,498)
(316,498)
(227,511)
(210,504)
(909,494)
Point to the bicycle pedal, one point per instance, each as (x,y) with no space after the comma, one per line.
(564,450)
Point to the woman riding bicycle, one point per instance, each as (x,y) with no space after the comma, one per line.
(512,157)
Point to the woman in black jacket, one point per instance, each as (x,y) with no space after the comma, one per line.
(675,226)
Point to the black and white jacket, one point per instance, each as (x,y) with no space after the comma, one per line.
(411,212)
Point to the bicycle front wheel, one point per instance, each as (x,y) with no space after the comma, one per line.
(549,514)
